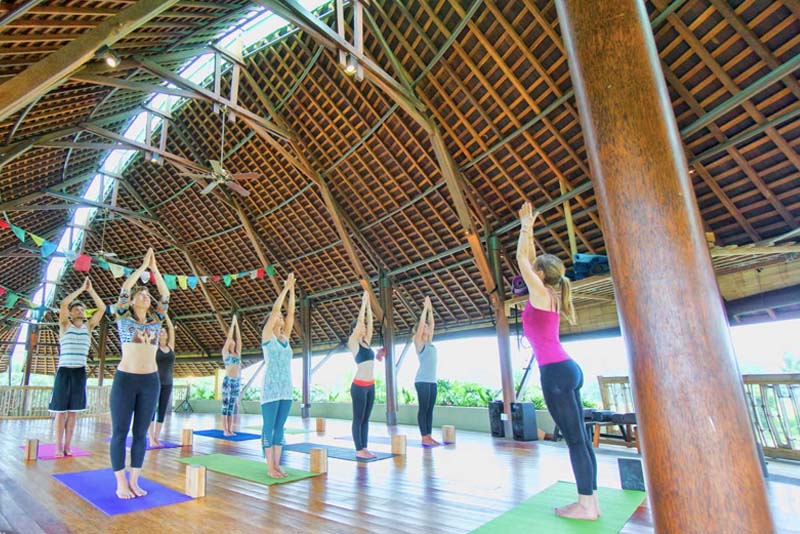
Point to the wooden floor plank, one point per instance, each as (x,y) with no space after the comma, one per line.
(445,490)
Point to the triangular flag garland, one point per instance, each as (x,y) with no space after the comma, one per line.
(83,263)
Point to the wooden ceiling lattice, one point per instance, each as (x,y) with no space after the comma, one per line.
(501,95)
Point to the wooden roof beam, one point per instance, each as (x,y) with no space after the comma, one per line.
(15,13)
(54,69)
(122,83)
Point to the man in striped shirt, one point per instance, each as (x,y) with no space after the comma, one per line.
(69,388)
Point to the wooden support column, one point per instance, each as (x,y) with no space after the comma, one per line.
(305,319)
(388,344)
(33,335)
(54,69)
(671,313)
(503,335)
(101,349)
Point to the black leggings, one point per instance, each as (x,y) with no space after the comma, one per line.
(163,402)
(133,396)
(561,386)
(363,399)
(426,393)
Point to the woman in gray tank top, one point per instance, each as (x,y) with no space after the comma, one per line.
(425,381)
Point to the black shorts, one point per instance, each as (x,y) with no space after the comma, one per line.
(69,390)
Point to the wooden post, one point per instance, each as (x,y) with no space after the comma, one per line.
(196,481)
(187,437)
(399,444)
(449,434)
(217,386)
(33,331)
(305,319)
(671,313)
(388,344)
(31,450)
(101,349)
(319,460)
(503,335)
(320,424)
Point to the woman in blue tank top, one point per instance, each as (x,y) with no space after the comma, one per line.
(425,381)
(232,383)
(276,389)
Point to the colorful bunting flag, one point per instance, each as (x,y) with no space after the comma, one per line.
(260,273)
(103,264)
(182,281)
(48,247)
(116,270)
(270,270)
(253,275)
(152,278)
(171,281)
(227,279)
(83,263)
(2,290)
(11,299)
(144,277)
(4,225)
(216,278)
(19,232)
(193,282)
(127,271)
(36,239)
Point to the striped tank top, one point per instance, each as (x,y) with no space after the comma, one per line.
(74,344)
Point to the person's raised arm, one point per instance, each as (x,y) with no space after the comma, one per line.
(358,331)
(170,333)
(98,303)
(369,322)
(525,256)
(63,310)
(419,335)
(163,290)
(269,325)
(231,334)
(431,321)
(238,338)
(289,324)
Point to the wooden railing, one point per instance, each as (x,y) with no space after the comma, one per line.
(773,401)
(31,402)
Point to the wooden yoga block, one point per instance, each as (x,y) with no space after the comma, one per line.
(196,481)
(449,434)
(320,424)
(187,437)
(399,444)
(31,450)
(319,460)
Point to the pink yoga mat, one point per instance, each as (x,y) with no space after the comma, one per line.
(47,451)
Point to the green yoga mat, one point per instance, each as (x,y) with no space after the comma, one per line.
(285,430)
(246,469)
(537,515)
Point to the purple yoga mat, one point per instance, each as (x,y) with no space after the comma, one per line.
(98,488)
(164,444)
(47,451)
(388,441)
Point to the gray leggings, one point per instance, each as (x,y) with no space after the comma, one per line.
(133,396)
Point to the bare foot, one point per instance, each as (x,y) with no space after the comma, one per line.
(124,492)
(577,511)
(430,442)
(274,473)
(227,434)
(365,454)
(139,492)
(155,443)
(283,473)
(59,453)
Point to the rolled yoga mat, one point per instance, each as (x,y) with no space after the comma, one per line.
(164,444)
(251,470)
(98,488)
(47,451)
(335,452)
(238,436)
(537,513)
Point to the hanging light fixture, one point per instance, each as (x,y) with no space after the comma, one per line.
(109,56)
(351,67)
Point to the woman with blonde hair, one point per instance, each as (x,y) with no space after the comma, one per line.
(549,298)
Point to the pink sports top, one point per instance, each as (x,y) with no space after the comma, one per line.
(541,329)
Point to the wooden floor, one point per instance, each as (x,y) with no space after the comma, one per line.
(445,490)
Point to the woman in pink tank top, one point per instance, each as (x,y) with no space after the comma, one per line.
(550,297)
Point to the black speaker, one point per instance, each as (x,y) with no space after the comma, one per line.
(523,421)
(631,475)
(495,419)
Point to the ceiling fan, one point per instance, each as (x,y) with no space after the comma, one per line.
(219,175)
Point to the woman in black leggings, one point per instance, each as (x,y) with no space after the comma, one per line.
(165,360)
(362,391)
(425,380)
(550,297)
(136,387)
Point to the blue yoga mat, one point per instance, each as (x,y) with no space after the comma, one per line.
(98,488)
(387,440)
(238,436)
(164,444)
(335,452)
